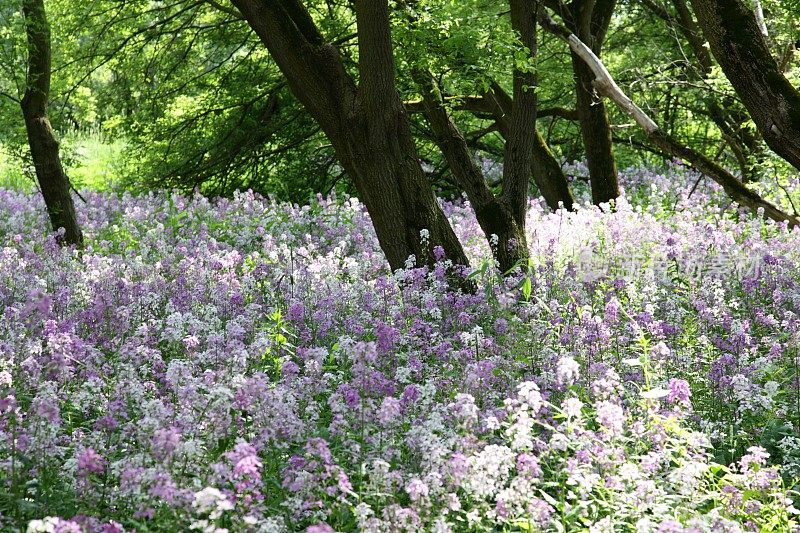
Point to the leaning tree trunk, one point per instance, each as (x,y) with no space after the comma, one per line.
(737,42)
(42,140)
(549,176)
(494,217)
(500,217)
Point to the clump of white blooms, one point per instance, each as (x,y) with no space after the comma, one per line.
(45,525)
(210,501)
(567,371)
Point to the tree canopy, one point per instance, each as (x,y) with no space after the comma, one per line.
(291,98)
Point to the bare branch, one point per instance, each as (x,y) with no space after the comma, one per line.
(606,85)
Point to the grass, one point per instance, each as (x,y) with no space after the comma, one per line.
(91,160)
(11,172)
(95,160)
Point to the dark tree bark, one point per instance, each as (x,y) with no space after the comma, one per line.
(366,123)
(596,135)
(739,46)
(494,216)
(546,171)
(519,149)
(515,119)
(50,174)
(589,20)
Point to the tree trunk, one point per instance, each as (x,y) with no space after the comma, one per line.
(50,174)
(494,217)
(546,172)
(502,218)
(379,155)
(549,177)
(518,154)
(589,20)
(366,124)
(741,50)
(596,135)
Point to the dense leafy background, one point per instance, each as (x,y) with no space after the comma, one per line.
(181,94)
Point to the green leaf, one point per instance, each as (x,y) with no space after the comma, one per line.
(526,289)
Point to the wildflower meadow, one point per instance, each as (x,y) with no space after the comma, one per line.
(250,365)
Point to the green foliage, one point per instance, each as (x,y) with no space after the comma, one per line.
(183,95)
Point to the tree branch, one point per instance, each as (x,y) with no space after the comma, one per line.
(225,9)
(608,87)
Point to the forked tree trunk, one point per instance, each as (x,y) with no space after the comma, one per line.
(502,217)
(50,174)
(494,217)
(366,123)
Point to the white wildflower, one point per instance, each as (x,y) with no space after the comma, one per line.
(45,525)
(567,371)
(210,500)
(528,392)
